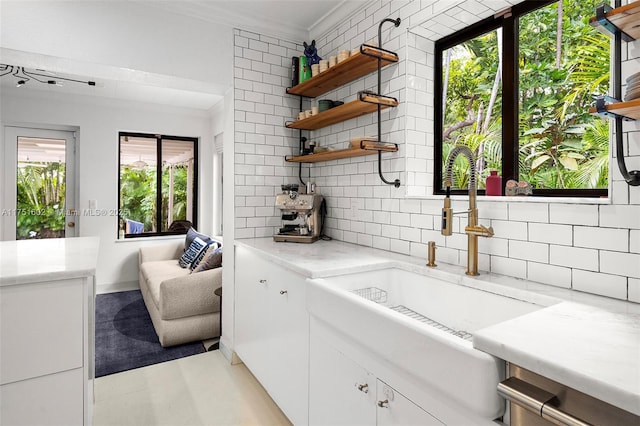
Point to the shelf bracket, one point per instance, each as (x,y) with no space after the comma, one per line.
(603,21)
(376,52)
(396,23)
(601,107)
(631,177)
(376,99)
(301,141)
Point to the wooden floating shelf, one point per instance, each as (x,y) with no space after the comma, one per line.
(350,69)
(353,109)
(333,155)
(625,18)
(629,109)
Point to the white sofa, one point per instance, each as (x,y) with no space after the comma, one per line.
(182,305)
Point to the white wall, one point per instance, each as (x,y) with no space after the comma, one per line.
(99,122)
(130,42)
(589,245)
(261,76)
(122,34)
(228,273)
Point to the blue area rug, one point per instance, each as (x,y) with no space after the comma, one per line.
(125,338)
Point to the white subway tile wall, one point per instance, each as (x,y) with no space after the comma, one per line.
(590,246)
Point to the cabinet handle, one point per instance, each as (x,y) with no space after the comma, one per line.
(363,387)
(263,281)
(283,291)
(383,404)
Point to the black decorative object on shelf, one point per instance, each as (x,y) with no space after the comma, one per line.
(295,70)
(311,52)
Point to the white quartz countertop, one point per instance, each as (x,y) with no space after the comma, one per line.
(590,349)
(322,258)
(28,261)
(587,342)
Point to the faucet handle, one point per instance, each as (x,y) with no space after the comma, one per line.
(447,216)
(489,231)
(479,230)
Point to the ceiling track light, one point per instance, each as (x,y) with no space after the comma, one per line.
(25,76)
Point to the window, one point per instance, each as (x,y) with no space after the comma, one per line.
(157,184)
(515,88)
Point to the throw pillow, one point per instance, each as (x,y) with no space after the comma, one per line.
(219,242)
(208,249)
(212,260)
(192,252)
(192,234)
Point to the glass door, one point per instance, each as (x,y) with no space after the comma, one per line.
(39,199)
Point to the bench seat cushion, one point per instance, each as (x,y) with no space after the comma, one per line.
(156,272)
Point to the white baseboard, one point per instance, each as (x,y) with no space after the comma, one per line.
(228,354)
(115,287)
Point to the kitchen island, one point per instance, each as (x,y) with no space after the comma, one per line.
(47,291)
(588,342)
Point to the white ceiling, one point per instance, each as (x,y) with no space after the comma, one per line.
(288,19)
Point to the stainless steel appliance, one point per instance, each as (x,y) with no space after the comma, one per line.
(301,215)
(538,401)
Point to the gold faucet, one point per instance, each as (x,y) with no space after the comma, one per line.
(473,230)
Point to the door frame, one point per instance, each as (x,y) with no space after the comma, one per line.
(8,161)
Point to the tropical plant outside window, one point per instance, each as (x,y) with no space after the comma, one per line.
(41,188)
(516,90)
(157,182)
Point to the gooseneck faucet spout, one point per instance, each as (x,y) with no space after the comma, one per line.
(473,230)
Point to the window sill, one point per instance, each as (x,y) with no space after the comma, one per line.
(156,238)
(522,199)
(550,200)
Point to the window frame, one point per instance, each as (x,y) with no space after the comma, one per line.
(158,218)
(508,21)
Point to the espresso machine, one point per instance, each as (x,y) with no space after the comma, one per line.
(301,215)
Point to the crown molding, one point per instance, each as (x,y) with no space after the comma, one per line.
(216,13)
(336,16)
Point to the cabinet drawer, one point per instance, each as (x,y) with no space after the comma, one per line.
(55,399)
(41,329)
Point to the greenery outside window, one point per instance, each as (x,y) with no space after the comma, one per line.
(157,184)
(515,88)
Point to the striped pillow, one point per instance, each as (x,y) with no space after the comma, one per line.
(197,246)
(203,254)
(212,260)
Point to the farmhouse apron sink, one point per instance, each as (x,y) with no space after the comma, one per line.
(424,326)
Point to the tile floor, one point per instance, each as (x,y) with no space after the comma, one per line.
(203,389)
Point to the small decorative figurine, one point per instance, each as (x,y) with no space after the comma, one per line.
(517,188)
(311,53)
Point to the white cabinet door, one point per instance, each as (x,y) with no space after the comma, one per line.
(341,392)
(272,331)
(46,352)
(394,409)
(252,314)
(53,399)
(41,328)
(289,335)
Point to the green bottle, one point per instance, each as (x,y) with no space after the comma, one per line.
(305,69)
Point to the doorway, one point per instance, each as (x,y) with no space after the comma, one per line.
(39,184)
